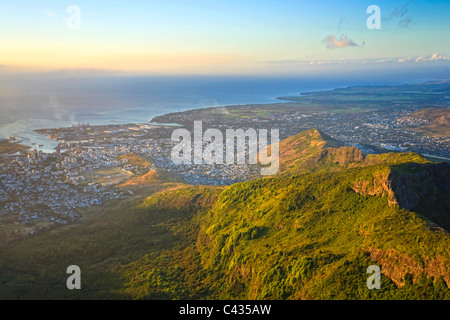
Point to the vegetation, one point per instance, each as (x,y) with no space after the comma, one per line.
(300,235)
(133,159)
(110,236)
(11,147)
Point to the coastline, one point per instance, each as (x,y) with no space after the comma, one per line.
(27,131)
(309,102)
(98,157)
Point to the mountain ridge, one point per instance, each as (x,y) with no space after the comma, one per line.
(312,235)
(296,235)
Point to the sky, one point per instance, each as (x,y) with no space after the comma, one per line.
(223,37)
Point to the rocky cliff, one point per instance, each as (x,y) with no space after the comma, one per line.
(413,186)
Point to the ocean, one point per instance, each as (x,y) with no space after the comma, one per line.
(30,102)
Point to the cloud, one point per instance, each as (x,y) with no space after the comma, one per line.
(49,13)
(287,62)
(437,57)
(368,61)
(403,60)
(401,14)
(305,62)
(327,62)
(433,57)
(384,61)
(342,42)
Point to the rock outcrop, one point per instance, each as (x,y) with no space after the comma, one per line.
(313,150)
(407,185)
(424,188)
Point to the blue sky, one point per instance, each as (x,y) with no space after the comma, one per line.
(221,37)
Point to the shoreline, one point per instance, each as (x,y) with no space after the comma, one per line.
(47,144)
(31,134)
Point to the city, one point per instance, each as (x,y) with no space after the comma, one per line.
(43,189)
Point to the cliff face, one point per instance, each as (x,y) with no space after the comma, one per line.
(407,180)
(421,182)
(272,233)
(313,150)
(381,185)
(397,265)
(343,156)
(413,186)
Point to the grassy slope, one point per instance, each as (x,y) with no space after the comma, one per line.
(10,147)
(308,236)
(111,235)
(438,122)
(296,237)
(312,151)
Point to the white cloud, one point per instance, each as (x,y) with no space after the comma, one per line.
(384,61)
(403,60)
(342,42)
(437,57)
(368,61)
(434,57)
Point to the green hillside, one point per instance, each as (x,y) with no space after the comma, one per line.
(312,150)
(302,237)
(305,234)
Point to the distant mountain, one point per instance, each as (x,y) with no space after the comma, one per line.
(432,122)
(312,151)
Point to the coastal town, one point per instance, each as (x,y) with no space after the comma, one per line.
(42,189)
(382,130)
(39,189)
(377,130)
